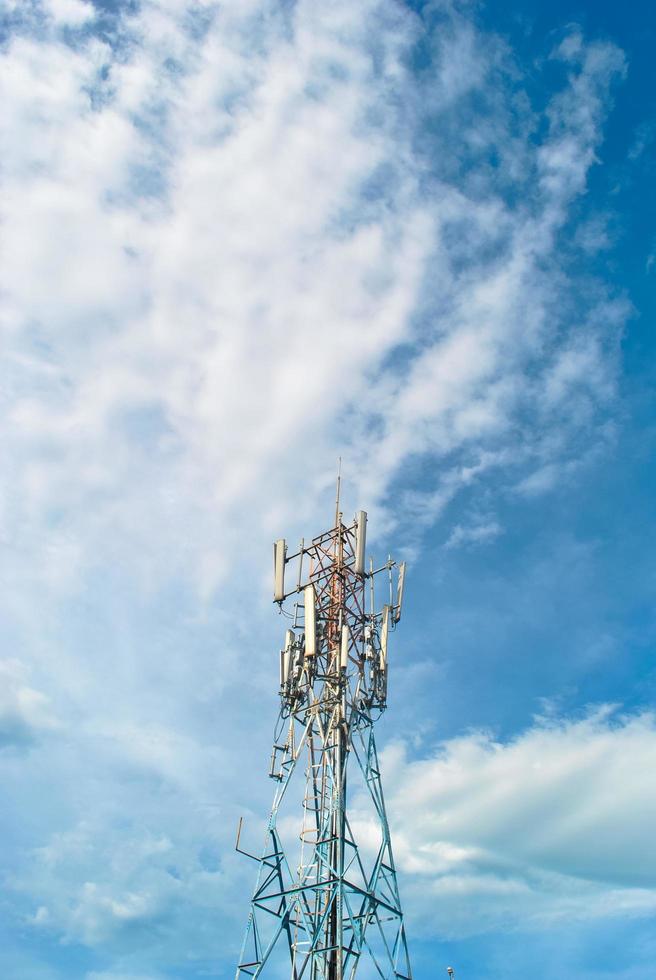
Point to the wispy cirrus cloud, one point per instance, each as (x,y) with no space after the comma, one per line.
(268,237)
(480,532)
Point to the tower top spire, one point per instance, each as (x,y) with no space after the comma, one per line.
(338,490)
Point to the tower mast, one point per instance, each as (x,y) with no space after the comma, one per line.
(325,904)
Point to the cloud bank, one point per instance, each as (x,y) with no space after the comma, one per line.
(552,826)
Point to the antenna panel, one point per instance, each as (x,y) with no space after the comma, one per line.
(279,551)
(287,655)
(309,601)
(344,648)
(399,592)
(384,631)
(360,541)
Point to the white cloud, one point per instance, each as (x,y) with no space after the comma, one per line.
(110,882)
(25,712)
(553,824)
(71,12)
(478,533)
(642,140)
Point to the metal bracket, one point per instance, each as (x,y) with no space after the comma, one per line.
(238,848)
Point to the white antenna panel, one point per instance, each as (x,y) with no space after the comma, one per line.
(360,541)
(279,551)
(384,631)
(287,655)
(344,648)
(399,592)
(309,600)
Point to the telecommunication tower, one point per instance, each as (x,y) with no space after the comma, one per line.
(325,906)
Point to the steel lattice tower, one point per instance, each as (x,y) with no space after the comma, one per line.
(323,907)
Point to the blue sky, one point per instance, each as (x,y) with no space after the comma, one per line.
(239,241)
